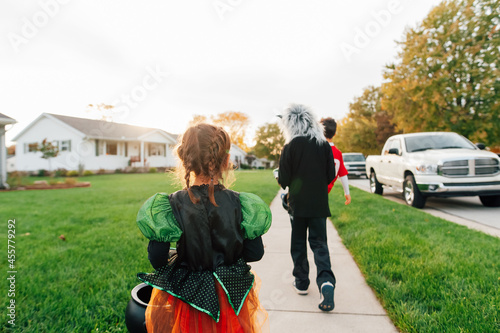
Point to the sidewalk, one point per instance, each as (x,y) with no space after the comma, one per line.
(356,307)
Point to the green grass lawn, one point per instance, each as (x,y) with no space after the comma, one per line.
(431,275)
(83,284)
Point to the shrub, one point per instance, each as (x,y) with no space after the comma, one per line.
(16,178)
(70,181)
(88,173)
(245,166)
(118,170)
(53,181)
(101,171)
(72,173)
(43,173)
(61,172)
(153,170)
(134,170)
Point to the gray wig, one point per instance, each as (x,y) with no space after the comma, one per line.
(299,120)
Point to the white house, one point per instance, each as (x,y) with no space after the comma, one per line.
(11,163)
(4,121)
(262,163)
(96,144)
(237,155)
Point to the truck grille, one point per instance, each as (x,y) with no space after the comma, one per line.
(473,167)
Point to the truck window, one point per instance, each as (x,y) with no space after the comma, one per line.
(387,146)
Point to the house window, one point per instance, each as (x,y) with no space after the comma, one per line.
(65,145)
(31,147)
(111,148)
(157,149)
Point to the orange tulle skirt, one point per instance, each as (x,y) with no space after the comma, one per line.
(166,313)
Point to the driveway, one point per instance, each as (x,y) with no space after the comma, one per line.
(467,211)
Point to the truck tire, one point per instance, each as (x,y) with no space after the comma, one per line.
(490,200)
(412,194)
(375,186)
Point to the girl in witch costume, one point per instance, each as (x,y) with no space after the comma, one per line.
(209,287)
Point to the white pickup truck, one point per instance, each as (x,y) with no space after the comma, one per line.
(427,164)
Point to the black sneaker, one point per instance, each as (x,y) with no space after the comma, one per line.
(326,297)
(299,291)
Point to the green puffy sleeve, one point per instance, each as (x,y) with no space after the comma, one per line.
(256,215)
(156,220)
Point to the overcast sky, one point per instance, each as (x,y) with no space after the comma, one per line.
(161,62)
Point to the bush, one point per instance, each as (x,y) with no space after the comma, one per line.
(72,173)
(43,173)
(153,170)
(101,171)
(70,181)
(88,173)
(134,170)
(16,178)
(61,172)
(118,170)
(245,166)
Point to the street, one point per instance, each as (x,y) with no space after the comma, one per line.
(463,210)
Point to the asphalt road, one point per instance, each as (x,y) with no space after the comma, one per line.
(463,210)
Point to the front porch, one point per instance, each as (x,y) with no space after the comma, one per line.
(135,154)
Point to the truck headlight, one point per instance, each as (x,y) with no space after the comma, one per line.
(427,168)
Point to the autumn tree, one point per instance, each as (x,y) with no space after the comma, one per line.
(48,151)
(197,119)
(269,142)
(235,124)
(367,126)
(447,76)
(104,111)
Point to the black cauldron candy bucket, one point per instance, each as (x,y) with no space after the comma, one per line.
(135,313)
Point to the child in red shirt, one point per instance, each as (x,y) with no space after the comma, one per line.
(330,128)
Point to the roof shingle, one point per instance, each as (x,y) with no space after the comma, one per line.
(109,130)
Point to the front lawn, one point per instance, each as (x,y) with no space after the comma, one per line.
(83,283)
(431,275)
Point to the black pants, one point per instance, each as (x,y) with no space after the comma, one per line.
(319,246)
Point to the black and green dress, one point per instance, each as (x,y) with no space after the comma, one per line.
(210,275)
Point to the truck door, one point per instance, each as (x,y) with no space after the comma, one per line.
(395,164)
(383,172)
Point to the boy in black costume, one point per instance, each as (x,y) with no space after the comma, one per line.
(306,167)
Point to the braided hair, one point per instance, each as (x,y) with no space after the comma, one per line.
(203,150)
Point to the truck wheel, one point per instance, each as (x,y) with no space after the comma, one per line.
(375,186)
(412,194)
(490,200)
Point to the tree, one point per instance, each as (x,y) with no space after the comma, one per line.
(104,111)
(197,119)
(48,150)
(367,126)
(269,142)
(447,76)
(235,124)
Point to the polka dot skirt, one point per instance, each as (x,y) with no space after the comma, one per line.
(197,288)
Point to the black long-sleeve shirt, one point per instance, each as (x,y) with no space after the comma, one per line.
(307,168)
